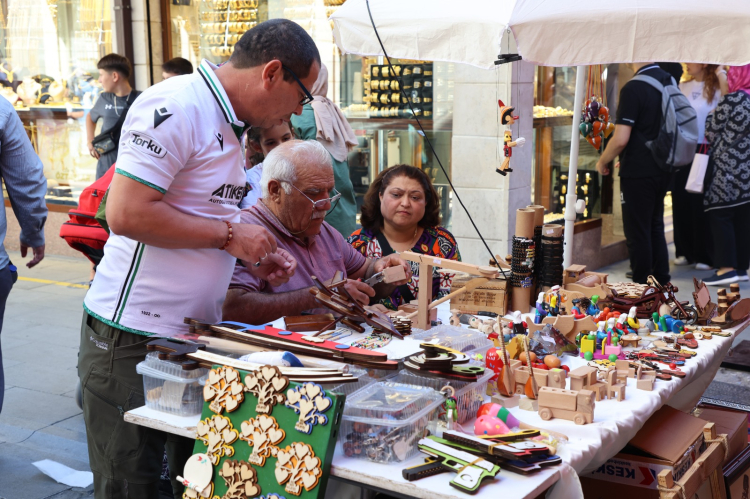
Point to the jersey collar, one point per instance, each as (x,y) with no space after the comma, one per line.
(206,70)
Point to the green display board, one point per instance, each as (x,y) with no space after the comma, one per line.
(267,437)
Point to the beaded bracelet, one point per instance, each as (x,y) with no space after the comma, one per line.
(229,236)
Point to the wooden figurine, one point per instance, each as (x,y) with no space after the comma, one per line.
(615,389)
(507,118)
(576,406)
(707,309)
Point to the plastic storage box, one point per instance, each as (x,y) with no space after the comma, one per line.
(383,421)
(169,388)
(365,377)
(469,394)
(468,341)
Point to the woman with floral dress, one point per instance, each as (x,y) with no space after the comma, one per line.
(401,212)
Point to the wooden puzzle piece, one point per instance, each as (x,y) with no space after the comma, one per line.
(198,473)
(218,435)
(267,385)
(263,435)
(241,480)
(223,389)
(310,402)
(298,468)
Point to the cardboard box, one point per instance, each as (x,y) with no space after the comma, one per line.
(731,423)
(737,476)
(670,439)
(489,297)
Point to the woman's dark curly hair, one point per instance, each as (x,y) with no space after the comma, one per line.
(372,218)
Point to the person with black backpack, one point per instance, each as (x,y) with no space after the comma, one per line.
(656,133)
(111,107)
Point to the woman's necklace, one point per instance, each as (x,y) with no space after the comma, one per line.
(409,245)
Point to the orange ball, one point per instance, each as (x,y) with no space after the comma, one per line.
(522,357)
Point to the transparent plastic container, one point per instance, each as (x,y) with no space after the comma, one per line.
(469,394)
(465,340)
(169,388)
(382,422)
(365,377)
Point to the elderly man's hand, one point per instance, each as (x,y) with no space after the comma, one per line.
(393,261)
(360,291)
(277,268)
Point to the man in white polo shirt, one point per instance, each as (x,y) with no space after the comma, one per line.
(176,234)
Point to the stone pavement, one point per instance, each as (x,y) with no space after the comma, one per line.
(40,418)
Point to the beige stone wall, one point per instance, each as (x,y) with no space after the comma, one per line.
(490,198)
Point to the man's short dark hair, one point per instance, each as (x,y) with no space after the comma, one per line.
(178,66)
(277,39)
(115,62)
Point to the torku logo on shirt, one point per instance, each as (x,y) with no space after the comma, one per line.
(160,116)
(149,145)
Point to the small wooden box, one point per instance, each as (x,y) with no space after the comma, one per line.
(489,297)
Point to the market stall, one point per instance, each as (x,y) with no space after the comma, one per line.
(588,446)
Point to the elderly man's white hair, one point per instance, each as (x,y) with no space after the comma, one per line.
(283,163)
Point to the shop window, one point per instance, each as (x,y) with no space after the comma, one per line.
(48,55)
(554,93)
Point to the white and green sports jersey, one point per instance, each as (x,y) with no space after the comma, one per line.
(182,138)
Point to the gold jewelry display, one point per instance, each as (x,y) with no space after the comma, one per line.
(223,22)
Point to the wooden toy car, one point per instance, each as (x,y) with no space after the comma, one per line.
(576,406)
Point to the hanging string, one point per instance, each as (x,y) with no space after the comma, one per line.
(429,143)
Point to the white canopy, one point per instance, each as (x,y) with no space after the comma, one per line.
(585,32)
(550,32)
(468,31)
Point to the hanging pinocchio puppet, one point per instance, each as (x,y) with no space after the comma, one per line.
(507,118)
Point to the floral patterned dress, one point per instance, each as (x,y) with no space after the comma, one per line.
(434,241)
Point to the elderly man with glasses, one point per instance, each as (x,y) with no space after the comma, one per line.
(298,192)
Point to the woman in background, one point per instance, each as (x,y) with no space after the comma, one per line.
(401,212)
(727,185)
(690,221)
(323,121)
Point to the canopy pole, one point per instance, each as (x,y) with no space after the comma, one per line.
(571,197)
